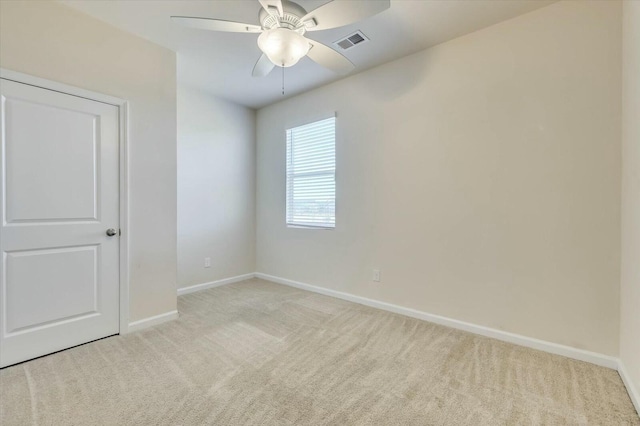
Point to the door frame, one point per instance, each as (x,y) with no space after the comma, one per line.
(123,116)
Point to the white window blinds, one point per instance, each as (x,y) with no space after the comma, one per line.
(311,172)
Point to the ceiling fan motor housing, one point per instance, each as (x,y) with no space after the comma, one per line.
(290,19)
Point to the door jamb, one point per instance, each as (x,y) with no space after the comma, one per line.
(123,110)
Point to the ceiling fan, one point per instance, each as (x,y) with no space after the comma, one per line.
(283,25)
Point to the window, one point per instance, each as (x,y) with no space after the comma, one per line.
(311,173)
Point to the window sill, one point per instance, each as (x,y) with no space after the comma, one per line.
(320,228)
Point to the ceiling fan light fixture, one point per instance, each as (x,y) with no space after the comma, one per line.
(283,47)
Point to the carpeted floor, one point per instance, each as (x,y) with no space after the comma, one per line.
(259,353)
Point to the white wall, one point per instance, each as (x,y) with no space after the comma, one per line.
(216,188)
(52,41)
(482,177)
(630,288)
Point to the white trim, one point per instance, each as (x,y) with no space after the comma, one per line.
(634,393)
(542,345)
(123,122)
(124,217)
(31,80)
(212,284)
(151,321)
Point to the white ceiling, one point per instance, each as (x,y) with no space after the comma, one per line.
(221,63)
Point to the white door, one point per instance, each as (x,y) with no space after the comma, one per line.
(59,284)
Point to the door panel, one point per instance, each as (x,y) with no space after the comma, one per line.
(40,184)
(30,291)
(60,192)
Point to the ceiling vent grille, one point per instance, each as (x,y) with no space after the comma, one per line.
(351,40)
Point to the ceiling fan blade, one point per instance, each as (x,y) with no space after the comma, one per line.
(338,13)
(262,67)
(267,4)
(329,58)
(216,24)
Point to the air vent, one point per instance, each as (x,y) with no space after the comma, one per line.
(351,40)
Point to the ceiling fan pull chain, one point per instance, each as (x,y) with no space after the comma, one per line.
(283,79)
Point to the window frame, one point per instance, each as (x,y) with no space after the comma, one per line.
(288,164)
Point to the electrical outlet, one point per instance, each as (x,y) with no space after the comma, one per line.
(207,262)
(376,275)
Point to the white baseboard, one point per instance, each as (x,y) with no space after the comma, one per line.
(155,320)
(634,393)
(212,284)
(542,345)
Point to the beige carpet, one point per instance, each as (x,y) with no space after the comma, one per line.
(259,353)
